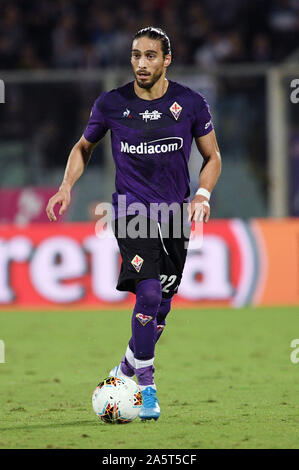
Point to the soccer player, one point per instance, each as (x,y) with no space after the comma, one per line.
(152,122)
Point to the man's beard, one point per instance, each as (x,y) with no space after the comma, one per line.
(151,83)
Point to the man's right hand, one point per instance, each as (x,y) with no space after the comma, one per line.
(62,197)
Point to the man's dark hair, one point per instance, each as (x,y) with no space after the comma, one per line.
(158,34)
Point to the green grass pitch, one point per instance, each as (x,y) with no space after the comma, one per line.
(224,378)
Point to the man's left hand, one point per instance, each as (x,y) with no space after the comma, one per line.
(199,209)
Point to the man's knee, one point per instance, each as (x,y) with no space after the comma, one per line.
(149,294)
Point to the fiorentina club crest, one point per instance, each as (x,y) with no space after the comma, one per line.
(137,262)
(144,319)
(175,109)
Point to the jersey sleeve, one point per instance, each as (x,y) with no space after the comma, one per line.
(202,123)
(97,125)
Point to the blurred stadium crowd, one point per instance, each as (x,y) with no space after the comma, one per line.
(97,33)
(37,133)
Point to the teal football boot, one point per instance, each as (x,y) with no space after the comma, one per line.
(150,408)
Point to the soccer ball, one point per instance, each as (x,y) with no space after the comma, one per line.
(117,400)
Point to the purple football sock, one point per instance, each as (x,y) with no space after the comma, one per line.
(163,311)
(144,322)
(131,344)
(144,328)
(126,367)
(145,375)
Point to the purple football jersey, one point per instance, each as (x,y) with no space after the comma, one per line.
(151,140)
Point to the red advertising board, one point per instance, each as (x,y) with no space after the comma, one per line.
(25,205)
(236,263)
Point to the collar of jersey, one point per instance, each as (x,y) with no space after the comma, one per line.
(156,100)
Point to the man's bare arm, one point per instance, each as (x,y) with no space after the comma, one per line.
(76,164)
(209,174)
